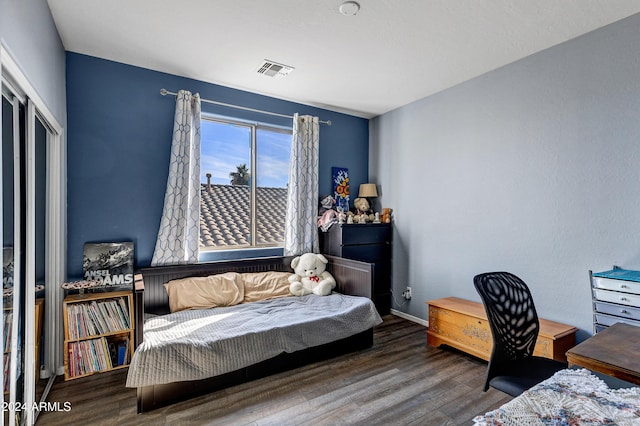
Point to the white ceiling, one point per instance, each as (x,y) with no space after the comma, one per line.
(391,53)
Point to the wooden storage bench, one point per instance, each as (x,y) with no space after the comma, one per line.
(463,324)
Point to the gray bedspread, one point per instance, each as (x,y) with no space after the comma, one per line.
(197,344)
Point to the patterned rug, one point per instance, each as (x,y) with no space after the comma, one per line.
(570,397)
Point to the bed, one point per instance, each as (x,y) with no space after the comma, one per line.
(570,397)
(188,353)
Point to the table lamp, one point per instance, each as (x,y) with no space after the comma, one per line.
(368,190)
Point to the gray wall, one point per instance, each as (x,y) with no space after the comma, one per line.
(533,168)
(28,31)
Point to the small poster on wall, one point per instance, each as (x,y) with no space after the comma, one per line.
(340,179)
(109,263)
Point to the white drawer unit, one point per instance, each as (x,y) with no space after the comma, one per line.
(616,285)
(609,320)
(616,297)
(614,309)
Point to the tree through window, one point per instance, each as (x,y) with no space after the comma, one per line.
(240,176)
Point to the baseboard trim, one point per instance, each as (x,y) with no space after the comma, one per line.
(409,317)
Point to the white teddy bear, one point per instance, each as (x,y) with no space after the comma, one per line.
(310,276)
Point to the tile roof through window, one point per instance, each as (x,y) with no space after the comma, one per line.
(225,216)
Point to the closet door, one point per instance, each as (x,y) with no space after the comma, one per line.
(37,275)
(25,239)
(33,212)
(13,242)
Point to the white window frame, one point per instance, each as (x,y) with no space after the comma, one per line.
(254,126)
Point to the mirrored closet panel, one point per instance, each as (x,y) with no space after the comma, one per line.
(13,120)
(27,257)
(40,277)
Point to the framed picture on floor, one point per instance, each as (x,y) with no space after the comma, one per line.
(109,263)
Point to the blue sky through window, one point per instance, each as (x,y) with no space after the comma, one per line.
(225,146)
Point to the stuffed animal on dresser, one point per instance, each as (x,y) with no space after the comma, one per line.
(311,276)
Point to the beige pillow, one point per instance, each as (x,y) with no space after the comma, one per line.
(205,292)
(265,285)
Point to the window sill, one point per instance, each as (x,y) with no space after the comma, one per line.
(209,256)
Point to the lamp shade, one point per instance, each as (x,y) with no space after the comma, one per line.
(368,190)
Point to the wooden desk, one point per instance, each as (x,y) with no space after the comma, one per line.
(613,351)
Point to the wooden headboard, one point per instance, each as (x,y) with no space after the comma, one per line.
(352,277)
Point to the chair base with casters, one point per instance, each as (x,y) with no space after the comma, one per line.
(514,325)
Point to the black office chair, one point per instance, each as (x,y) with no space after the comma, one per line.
(514,326)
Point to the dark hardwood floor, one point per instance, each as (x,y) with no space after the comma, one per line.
(400,380)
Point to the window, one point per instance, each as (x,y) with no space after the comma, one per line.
(244,173)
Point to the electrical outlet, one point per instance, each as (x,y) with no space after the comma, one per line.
(407,293)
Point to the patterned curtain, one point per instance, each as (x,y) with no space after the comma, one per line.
(301,232)
(179,233)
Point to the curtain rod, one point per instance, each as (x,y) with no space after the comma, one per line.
(165,92)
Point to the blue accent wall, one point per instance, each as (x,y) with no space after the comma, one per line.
(119,141)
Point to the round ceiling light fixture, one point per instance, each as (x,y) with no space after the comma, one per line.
(349,8)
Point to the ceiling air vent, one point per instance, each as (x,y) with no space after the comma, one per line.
(274,69)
